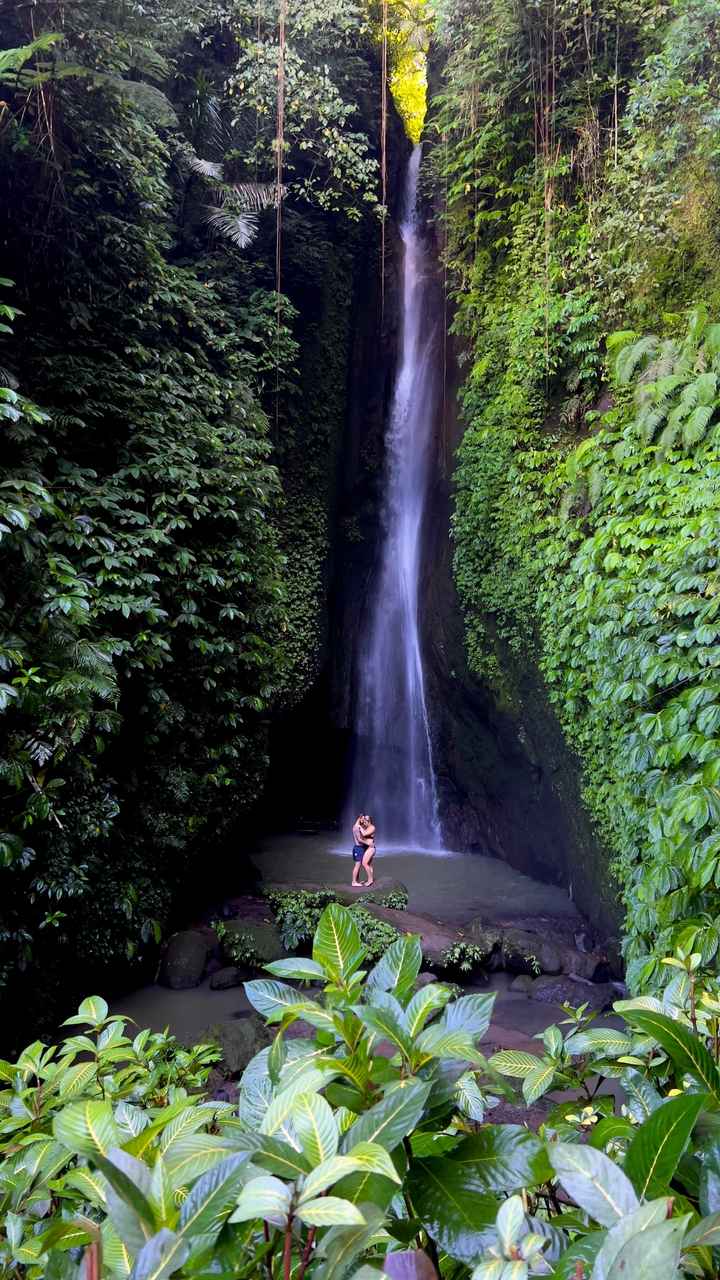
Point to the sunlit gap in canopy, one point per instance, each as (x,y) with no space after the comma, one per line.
(408,36)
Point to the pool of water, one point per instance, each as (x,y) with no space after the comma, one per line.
(452,887)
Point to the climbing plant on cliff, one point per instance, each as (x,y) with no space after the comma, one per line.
(575,149)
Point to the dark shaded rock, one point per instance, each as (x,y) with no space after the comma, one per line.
(239,1039)
(252,942)
(565,990)
(529,952)
(183,964)
(225,978)
(424,980)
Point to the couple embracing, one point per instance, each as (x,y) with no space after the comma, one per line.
(363,850)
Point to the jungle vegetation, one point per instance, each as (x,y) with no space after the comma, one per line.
(576,157)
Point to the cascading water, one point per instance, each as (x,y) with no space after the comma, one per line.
(393,776)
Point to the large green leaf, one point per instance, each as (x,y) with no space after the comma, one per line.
(91,1012)
(427,1000)
(366,1157)
(653,1254)
(296,967)
(705,1233)
(193,1155)
(384,1015)
(398,968)
(470,1014)
(160,1257)
(648,1215)
(514,1062)
(129,1195)
(341,1246)
(599,1041)
(276,999)
(315,1127)
(594,1182)
(453,1206)
(87,1128)
(439,1041)
(329,1211)
(686,1051)
(654,1152)
(265,1197)
(272,1154)
(211,1199)
(279,1113)
(504,1157)
(538,1081)
(391,1119)
(337,946)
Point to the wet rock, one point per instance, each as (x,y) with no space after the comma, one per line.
(252,942)
(564,990)
(523,983)
(231,976)
(183,964)
(529,952)
(238,1039)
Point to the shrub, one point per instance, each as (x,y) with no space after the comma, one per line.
(338,1156)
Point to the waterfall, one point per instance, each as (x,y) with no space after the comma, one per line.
(392,777)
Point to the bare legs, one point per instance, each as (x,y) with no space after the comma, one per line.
(367,863)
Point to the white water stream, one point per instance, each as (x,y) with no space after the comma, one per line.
(393,776)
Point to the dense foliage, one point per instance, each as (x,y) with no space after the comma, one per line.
(577,151)
(338,1160)
(151,621)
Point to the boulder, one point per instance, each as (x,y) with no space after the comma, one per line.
(231,976)
(183,964)
(239,1039)
(564,990)
(529,952)
(260,938)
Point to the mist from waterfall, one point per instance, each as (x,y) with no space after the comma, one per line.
(393,777)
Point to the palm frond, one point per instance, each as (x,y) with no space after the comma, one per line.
(256,196)
(241,228)
(205,168)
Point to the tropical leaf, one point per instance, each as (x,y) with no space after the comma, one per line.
(649,1215)
(653,1254)
(594,1182)
(453,1206)
(514,1062)
(653,1155)
(397,970)
(391,1119)
(315,1126)
(426,1001)
(686,1051)
(163,1254)
(337,946)
(87,1128)
(329,1211)
(265,1197)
